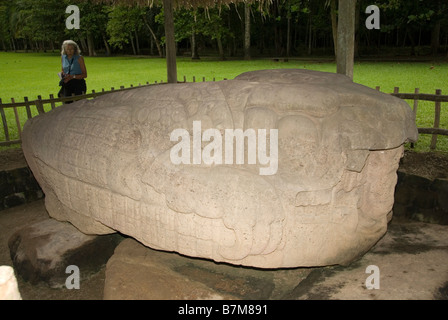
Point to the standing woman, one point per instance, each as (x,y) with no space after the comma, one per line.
(73,70)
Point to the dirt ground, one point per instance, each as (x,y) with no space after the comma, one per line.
(430,165)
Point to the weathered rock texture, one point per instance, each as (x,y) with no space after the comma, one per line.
(104,165)
(41,252)
(137,272)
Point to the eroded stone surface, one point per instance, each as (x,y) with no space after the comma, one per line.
(41,252)
(137,272)
(105,166)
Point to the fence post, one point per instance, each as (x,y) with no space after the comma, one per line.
(53,105)
(417,91)
(27,106)
(436,120)
(40,105)
(16,115)
(5,123)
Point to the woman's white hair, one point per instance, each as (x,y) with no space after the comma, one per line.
(73,43)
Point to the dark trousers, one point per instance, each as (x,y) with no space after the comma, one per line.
(74,86)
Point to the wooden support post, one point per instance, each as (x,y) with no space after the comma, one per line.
(346,37)
(170,41)
(436,120)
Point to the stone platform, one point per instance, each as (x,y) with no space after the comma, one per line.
(411,261)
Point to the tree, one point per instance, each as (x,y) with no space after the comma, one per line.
(149,19)
(123,26)
(213,26)
(4,23)
(415,17)
(94,18)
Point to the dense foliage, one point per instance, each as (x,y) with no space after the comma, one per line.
(282,28)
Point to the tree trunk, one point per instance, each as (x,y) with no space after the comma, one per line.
(357,16)
(247,31)
(435,38)
(334,25)
(411,38)
(310,35)
(346,37)
(194,46)
(137,43)
(106,44)
(91,44)
(220,48)
(132,44)
(288,36)
(84,46)
(170,42)
(156,41)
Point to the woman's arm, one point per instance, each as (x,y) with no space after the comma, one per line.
(82,64)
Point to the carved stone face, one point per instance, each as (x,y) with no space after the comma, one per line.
(105,166)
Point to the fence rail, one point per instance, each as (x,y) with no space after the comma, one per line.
(40,103)
(437,98)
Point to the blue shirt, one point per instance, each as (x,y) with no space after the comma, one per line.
(75,66)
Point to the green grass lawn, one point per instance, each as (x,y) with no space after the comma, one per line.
(32,74)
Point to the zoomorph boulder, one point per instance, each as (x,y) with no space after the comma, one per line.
(156,163)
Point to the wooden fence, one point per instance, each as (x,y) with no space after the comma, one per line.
(39,104)
(437,98)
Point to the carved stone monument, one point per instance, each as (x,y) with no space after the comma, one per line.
(156,163)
